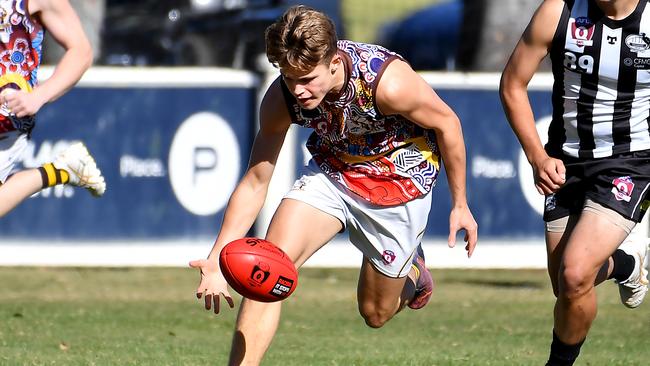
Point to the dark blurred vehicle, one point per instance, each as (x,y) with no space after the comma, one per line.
(227,33)
(428,38)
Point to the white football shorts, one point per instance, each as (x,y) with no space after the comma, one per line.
(12,145)
(387,236)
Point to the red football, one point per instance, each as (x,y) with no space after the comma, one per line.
(258,270)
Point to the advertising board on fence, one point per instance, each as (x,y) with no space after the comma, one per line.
(173,143)
(171,152)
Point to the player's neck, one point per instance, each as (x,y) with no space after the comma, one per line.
(617,9)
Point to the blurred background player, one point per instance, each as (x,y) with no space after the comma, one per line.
(22,25)
(379,131)
(595,169)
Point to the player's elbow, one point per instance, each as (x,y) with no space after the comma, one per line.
(83,53)
(87,56)
(504,90)
(509,87)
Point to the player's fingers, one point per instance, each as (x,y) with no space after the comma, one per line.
(472,238)
(451,240)
(196,263)
(208,301)
(216,301)
(228,298)
(553,178)
(561,170)
(543,188)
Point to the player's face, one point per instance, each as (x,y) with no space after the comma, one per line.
(310,88)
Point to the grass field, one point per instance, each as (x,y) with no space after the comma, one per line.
(85,316)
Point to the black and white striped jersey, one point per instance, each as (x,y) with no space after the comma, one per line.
(601,93)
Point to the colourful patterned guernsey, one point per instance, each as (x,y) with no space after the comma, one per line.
(21,38)
(385,159)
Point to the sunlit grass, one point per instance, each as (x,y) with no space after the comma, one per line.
(72,316)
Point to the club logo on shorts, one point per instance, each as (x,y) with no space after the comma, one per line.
(550,202)
(388,256)
(622,189)
(300,184)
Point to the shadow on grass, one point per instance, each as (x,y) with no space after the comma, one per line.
(535,285)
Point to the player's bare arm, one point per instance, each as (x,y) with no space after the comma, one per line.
(60,20)
(248,197)
(402,91)
(522,65)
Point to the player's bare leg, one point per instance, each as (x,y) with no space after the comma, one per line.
(555,244)
(589,245)
(381,297)
(18,188)
(73,166)
(300,230)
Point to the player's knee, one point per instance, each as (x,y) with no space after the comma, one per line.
(576,281)
(375,320)
(375,316)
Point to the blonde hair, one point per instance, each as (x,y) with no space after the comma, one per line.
(301,39)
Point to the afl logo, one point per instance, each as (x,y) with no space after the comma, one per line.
(637,42)
(582,31)
(583,22)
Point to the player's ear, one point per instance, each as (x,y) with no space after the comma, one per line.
(335,63)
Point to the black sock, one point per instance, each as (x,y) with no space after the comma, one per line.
(623,266)
(563,354)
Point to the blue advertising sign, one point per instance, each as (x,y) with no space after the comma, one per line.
(500,187)
(172,146)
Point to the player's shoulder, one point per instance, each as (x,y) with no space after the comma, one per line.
(550,9)
(544,22)
(398,77)
(273,110)
(399,87)
(40,6)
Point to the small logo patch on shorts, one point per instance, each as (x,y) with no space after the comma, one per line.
(300,184)
(388,256)
(622,189)
(550,202)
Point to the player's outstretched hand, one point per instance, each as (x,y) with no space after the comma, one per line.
(213,285)
(461,218)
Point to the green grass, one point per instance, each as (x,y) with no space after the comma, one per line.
(72,316)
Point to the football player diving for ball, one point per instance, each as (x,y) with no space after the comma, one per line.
(379,135)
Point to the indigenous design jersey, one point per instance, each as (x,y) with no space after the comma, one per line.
(386,160)
(601,94)
(21,38)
